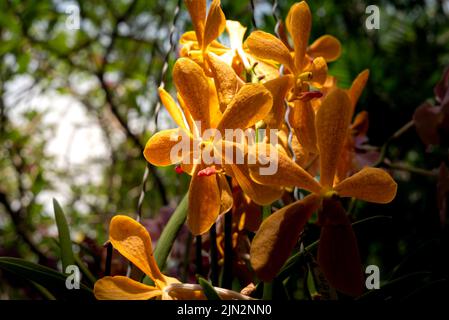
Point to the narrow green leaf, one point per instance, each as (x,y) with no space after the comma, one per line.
(43,291)
(169,234)
(84,269)
(50,279)
(208,289)
(267,291)
(399,287)
(65,243)
(313,292)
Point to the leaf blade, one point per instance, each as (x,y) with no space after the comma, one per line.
(48,278)
(208,289)
(65,243)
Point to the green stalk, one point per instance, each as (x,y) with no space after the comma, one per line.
(84,269)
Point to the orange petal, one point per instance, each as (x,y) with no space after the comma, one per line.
(287,173)
(302,120)
(160,149)
(325,46)
(338,255)
(319,72)
(215,23)
(299,24)
(332,124)
(236,33)
(260,194)
(187,114)
(133,242)
(360,124)
(204,202)
(303,157)
(189,39)
(123,288)
(188,167)
(225,193)
(346,161)
(369,184)
(278,235)
(172,108)
(278,88)
(197,11)
(193,86)
(214,105)
(357,87)
(251,104)
(226,82)
(253,215)
(268,47)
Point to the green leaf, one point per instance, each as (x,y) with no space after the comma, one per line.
(50,279)
(169,234)
(208,289)
(44,292)
(266,211)
(65,243)
(84,269)
(398,288)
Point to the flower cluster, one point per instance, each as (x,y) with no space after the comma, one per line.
(253,83)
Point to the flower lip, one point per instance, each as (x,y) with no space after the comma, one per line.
(309,95)
(207,171)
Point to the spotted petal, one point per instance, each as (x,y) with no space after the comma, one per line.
(204,202)
(299,24)
(325,46)
(332,122)
(278,235)
(133,242)
(124,288)
(266,46)
(369,184)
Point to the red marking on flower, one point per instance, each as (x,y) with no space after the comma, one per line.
(178,169)
(309,95)
(207,172)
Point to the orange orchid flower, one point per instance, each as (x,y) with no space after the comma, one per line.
(209,193)
(307,66)
(306,71)
(358,128)
(133,242)
(280,232)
